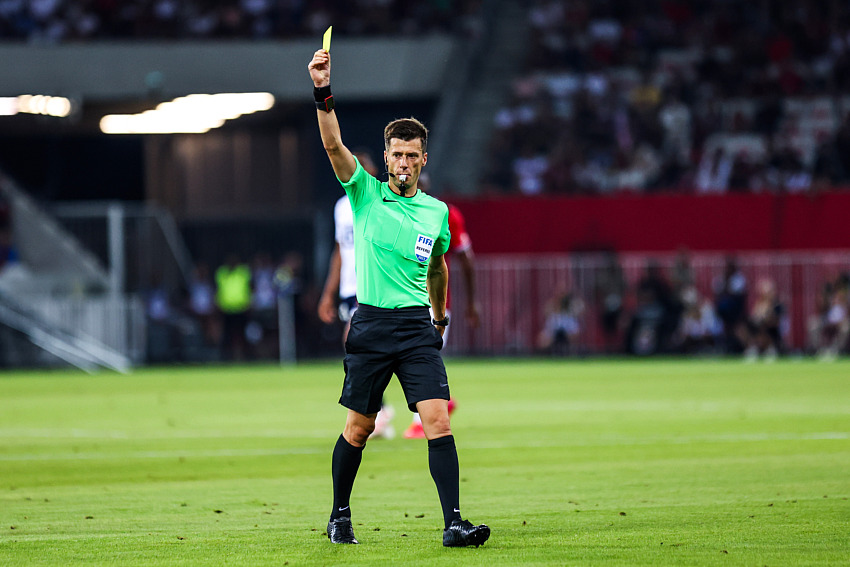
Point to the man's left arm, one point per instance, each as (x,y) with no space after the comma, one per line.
(467,266)
(438,285)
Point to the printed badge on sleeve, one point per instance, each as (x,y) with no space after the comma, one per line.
(424,245)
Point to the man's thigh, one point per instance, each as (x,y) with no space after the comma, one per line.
(366,377)
(368,364)
(422,375)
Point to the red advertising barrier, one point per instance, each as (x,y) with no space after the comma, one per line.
(651,223)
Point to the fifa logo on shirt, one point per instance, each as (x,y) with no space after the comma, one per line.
(423,248)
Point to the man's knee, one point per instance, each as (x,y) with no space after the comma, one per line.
(435,418)
(358,428)
(440,427)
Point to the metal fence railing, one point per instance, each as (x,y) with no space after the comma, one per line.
(513,292)
(139,243)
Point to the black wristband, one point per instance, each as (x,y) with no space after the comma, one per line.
(321,93)
(442,322)
(323,97)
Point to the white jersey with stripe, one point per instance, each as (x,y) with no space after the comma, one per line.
(344,235)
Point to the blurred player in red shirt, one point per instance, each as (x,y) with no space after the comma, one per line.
(461,247)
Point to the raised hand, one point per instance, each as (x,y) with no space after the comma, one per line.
(320,68)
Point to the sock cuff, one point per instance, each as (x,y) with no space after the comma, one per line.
(345,445)
(448,440)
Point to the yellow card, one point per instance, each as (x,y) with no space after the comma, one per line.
(326,40)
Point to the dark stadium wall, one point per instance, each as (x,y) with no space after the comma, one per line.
(659,223)
(60,167)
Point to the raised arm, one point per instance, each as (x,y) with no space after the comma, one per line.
(342,160)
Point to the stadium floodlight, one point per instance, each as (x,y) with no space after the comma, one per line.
(190,114)
(8,106)
(152,122)
(58,106)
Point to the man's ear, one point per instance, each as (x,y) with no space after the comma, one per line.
(424,158)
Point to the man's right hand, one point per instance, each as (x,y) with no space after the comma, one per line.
(327,310)
(320,68)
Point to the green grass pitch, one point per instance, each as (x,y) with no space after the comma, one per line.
(595,462)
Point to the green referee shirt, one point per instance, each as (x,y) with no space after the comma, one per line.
(394,239)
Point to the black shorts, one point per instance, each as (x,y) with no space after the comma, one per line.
(383,342)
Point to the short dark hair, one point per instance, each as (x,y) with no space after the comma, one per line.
(406,129)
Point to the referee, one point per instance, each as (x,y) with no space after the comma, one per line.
(400,236)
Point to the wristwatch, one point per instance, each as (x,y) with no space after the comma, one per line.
(441,322)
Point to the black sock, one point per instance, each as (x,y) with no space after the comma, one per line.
(442,460)
(346,461)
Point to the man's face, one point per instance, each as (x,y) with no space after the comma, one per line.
(405,158)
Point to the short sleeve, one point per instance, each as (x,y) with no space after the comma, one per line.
(443,241)
(362,187)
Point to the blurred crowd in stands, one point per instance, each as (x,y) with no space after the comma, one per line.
(233,312)
(55,21)
(829,327)
(666,312)
(706,96)
(671,315)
